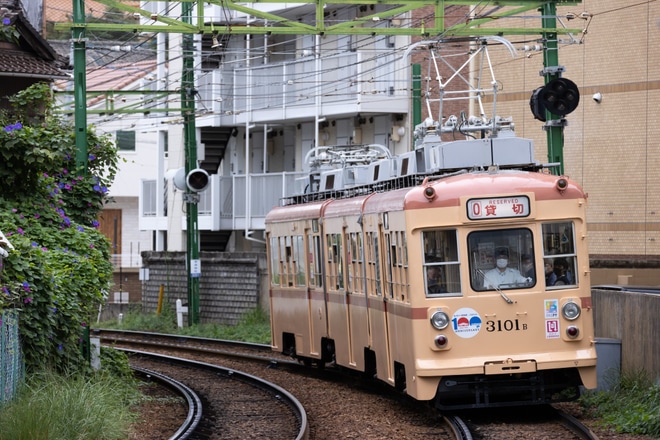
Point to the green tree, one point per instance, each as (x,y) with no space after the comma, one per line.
(60,269)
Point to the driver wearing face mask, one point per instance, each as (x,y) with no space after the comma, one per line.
(502,273)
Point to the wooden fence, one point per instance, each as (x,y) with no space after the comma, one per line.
(632,318)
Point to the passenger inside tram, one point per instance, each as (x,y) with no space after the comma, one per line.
(502,274)
(434,282)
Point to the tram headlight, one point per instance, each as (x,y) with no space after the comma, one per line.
(439,320)
(571,311)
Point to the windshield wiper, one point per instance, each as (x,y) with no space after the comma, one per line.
(502,294)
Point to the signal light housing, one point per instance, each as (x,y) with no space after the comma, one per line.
(196,180)
(560,97)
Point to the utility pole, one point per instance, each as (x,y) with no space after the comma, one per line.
(188,93)
(551,70)
(80,84)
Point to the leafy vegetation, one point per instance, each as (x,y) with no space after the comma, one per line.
(632,406)
(60,268)
(253,327)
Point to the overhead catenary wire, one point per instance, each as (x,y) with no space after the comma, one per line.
(307,84)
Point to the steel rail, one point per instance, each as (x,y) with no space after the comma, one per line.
(575,426)
(194,403)
(458,427)
(276,391)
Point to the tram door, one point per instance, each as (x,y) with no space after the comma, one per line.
(337,298)
(377,304)
(317,313)
(356,299)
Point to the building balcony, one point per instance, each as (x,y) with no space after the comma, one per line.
(343,84)
(235,202)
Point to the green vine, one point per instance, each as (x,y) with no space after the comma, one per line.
(60,269)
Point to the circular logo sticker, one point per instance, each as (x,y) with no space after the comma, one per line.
(466,322)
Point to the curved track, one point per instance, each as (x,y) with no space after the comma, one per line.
(575,426)
(542,421)
(460,429)
(199,347)
(192,400)
(190,428)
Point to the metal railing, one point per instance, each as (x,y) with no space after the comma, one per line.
(238,199)
(125,260)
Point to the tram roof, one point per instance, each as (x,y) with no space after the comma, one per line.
(448,191)
(310,210)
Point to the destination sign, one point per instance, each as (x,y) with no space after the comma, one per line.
(498,207)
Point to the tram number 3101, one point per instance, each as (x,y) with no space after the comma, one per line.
(507,325)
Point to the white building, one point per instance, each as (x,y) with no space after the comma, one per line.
(263,102)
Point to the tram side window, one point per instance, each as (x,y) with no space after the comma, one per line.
(288,263)
(299,259)
(397,270)
(314,260)
(354,262)
(559,255)
(441,263)
(335,275)
(275,261)
(501,259)
(373,266)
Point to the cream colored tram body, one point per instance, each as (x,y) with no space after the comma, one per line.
(349,285)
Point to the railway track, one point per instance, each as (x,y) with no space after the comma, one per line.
(192,400)
(316,390)
(535,422)
(219,347)
(216,399)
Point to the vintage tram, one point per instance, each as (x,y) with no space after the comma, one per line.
(457,273)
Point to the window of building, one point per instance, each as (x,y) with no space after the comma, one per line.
(126,140)
(149,198)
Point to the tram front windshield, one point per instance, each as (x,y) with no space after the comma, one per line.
(501,259)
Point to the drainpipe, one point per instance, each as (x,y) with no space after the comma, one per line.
(248,187)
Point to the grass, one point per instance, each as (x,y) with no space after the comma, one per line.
(253,327)
(53,407)
(76,407)
(632,406)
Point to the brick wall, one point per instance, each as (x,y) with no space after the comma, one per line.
(127,280)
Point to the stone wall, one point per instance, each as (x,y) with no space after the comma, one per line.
(230,285)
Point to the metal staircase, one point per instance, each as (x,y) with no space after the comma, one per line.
(215,141)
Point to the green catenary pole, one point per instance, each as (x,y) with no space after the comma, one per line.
(555,124)
(416,95)
(80,84)
(190,147)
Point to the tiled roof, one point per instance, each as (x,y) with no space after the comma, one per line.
(119,76)
(115,77)
(21,63)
